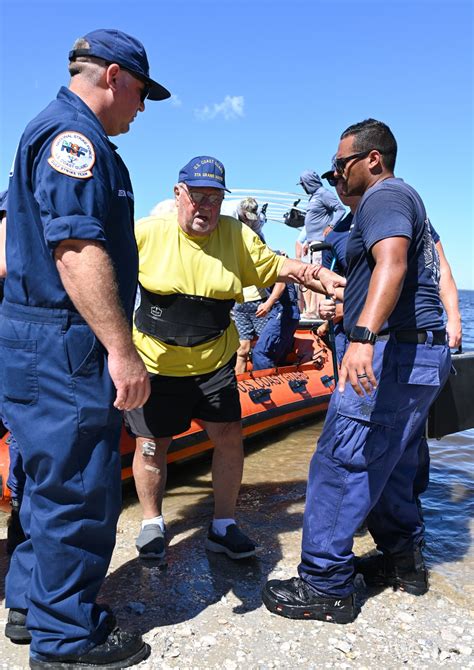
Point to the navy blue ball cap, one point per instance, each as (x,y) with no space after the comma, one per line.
(114,46)
(3,201)
(204,171)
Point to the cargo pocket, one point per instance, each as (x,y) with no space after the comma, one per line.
(19,370)
(416,366)
(363,431)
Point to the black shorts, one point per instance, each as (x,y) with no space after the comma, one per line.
(174,401)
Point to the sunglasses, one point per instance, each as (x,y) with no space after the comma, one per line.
(339,164)
(198,198)
(332,181)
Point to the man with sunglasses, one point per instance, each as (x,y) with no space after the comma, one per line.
(68,363)
(396,361)
(194,263)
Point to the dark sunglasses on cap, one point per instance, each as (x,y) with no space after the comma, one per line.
(339,164)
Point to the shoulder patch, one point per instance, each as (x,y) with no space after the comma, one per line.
(72,154)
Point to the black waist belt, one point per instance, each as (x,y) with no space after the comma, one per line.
(414,336)
(182,320)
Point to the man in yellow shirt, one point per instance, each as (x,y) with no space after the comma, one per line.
(194,264)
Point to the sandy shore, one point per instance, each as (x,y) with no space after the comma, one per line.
(199,610)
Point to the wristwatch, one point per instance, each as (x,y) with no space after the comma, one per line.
(361,334)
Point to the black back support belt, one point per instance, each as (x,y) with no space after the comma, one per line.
(182,320)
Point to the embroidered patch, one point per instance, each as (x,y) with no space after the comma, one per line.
(72,154)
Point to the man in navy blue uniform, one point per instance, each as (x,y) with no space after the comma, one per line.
(396,361)
(68,364)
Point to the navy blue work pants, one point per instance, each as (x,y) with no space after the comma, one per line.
(366,463)
(274,342)
(57,396)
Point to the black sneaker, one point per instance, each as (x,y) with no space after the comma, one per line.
(404,572)
(15,534)
(17,632)
(234,543)
(120,650)
(150,543)
(295,599)
(15,628)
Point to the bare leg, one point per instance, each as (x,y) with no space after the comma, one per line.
(149,472)
(242,357)
(227,465)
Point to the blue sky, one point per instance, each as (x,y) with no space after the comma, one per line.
(267,87)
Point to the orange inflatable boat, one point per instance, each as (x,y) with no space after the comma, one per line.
(270,399)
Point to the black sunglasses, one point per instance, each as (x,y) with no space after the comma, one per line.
(339,164)
(332,181)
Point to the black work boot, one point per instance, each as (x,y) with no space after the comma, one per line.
(15,534)
(295,599)
(404,572)
(119,650)
(15,628)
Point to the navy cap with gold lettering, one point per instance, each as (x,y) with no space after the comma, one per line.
(204,171)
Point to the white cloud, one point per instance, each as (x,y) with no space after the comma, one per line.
(175,100)
(232,107)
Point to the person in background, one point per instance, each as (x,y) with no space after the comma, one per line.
(16,475)
(323,210)
(276,339)
(194,264)
(249,315)
(68,363)
(396,362)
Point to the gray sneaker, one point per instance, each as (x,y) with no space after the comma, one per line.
(150,543)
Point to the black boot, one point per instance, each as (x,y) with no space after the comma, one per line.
(119,650)
(15,628)
(404,572)
(295,599)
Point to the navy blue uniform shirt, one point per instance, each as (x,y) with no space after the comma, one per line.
(68,182)
(392,208)
(337,238)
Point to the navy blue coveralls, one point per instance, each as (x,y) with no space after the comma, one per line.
(56,393)
(367,456)
(276,339)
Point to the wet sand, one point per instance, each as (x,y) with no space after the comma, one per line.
(201,610)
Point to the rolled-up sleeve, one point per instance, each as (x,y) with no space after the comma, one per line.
(72,207)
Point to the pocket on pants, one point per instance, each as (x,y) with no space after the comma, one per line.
(81,348)
(362,432)
(418,365)
(19,370)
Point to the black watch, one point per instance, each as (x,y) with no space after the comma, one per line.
(361,334)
